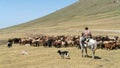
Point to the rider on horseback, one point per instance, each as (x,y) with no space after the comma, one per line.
(86,33)
(83,43)
(87,41)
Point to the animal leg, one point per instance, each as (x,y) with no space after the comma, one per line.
(86,52)
(93,54)
(62,56)
(68,55)
(82,52)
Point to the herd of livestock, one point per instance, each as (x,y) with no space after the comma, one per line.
(103,42)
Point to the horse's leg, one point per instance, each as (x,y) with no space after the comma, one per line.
(93,50)
(93,53)
(86,52)
(82,50)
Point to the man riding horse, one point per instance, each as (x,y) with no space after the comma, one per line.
(83,40)
(86,34)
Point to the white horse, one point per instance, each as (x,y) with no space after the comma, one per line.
(89,42)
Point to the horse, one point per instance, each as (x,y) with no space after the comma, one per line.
(89,42)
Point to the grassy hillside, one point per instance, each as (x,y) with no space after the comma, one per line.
(98,15)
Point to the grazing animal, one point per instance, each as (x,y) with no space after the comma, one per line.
(24,52)
(63,54)
(109,44)
(88,43)
(10,42)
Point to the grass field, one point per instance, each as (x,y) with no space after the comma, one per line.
(41,57)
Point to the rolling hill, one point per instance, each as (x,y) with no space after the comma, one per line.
(101,16)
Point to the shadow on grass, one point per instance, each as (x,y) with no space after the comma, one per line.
(96,57)
(68,58)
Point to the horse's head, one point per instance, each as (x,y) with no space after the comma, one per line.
(88,39)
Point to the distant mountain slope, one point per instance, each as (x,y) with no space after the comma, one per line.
(99,14)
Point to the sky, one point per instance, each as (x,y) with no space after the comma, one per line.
(13,12)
